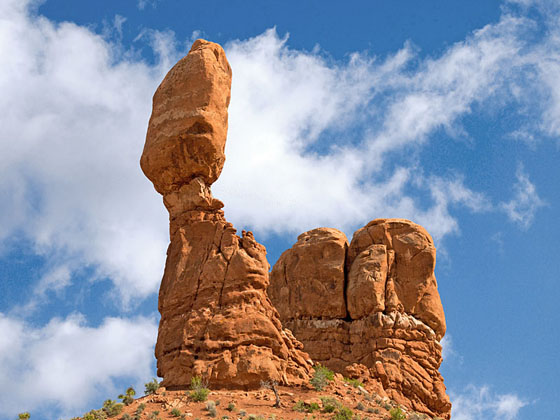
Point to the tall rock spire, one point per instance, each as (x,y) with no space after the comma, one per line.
(216,319)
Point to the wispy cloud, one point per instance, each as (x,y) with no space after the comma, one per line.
(141,4)
(477,403)
(522,208)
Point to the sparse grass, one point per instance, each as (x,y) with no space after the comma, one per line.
(329,404)
(211,408)
(354,382)
(175,412)
(343,413)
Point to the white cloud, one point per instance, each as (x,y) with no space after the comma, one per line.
(65,365)
(477,403)
(280,175)
(525,203)
(74,115)
(311,142)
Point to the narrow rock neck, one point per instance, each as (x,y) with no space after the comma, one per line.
(192,202)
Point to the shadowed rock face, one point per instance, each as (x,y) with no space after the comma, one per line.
(369,309)
(216,319)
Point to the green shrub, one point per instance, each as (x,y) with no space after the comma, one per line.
(175,412)
(151,387)
(154,415)
(343,413)
(242,413)
(329,404)
(95,415)
(230,407)
(299,406)
(211,408)
(307,408)
(321,377)
(128,397)
(397,414)
(126,417)
(360,407)
(199,392)
(354,382)
(24,416)
(112,408)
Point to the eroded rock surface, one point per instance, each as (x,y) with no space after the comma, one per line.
(216,319)
(369,309)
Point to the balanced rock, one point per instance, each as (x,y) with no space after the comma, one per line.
(217,321)
(368,309)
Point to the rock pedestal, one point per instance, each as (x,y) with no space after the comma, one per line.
(216,319)
(369,309)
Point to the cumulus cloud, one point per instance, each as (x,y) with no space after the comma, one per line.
(522,208)
(481,403)
(60,368)
(74,114)
(312,142)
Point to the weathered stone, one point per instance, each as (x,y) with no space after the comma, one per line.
(216,319)
(390,336)
(312,270)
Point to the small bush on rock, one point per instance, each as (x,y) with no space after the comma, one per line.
(128,397)
(151,387)
(24,416)
(397,414)
(343,413)
(321,377)
(199,392)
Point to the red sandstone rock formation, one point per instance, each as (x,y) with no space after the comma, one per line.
(370,309)
(216,319)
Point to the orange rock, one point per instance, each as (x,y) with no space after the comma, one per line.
(216,319)
(394,315)
(313,267)
(187,130)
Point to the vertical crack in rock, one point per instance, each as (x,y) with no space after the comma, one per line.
(216,318)
(390,337)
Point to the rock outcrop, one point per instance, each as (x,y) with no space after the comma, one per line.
(369,309)
(217,321)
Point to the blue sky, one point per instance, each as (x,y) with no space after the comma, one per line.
(446,113)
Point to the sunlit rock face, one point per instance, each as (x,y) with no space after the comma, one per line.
(217,321)
(369,309)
